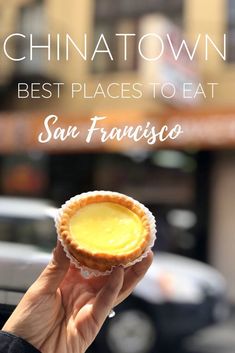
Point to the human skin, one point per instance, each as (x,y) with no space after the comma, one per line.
(63,312)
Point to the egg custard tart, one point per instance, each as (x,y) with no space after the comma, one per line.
(104,229)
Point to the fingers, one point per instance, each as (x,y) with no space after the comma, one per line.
(105,300)
(53,275)
(133,275)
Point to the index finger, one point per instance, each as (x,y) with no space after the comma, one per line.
(133,275)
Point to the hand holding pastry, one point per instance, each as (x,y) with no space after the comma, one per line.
(106,233)
(63,312)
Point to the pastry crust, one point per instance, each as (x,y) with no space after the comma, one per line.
(96,260)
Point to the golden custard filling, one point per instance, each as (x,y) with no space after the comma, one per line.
(106,227)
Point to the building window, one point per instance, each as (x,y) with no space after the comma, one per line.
(31,21)
(124,16)
(231,31)
(137,8)
(102,63)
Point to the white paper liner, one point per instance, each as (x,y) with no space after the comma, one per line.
(89,272)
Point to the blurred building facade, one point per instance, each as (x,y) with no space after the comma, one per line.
(187,18)
(40,17)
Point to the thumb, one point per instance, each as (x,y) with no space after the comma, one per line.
(51,278)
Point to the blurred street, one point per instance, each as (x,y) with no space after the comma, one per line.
(216,339)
